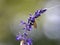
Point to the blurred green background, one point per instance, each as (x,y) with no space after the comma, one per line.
(10,11)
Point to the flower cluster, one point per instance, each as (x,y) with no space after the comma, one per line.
(28,27)
(25,38)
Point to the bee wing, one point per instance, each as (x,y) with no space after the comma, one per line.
(35,25)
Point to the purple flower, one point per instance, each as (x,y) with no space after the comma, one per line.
(22,22)
(31,20)
(39,12)
(42,10)
(25,34)
(19,37)
(22,36)
(27,26)
(29,41)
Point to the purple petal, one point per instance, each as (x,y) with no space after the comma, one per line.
(39,12)
(29,41)
(25,34)
(43,10)
(19,36)
(22,22)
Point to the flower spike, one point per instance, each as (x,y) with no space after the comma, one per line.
(24,40)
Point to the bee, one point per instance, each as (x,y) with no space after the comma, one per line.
(35,24)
